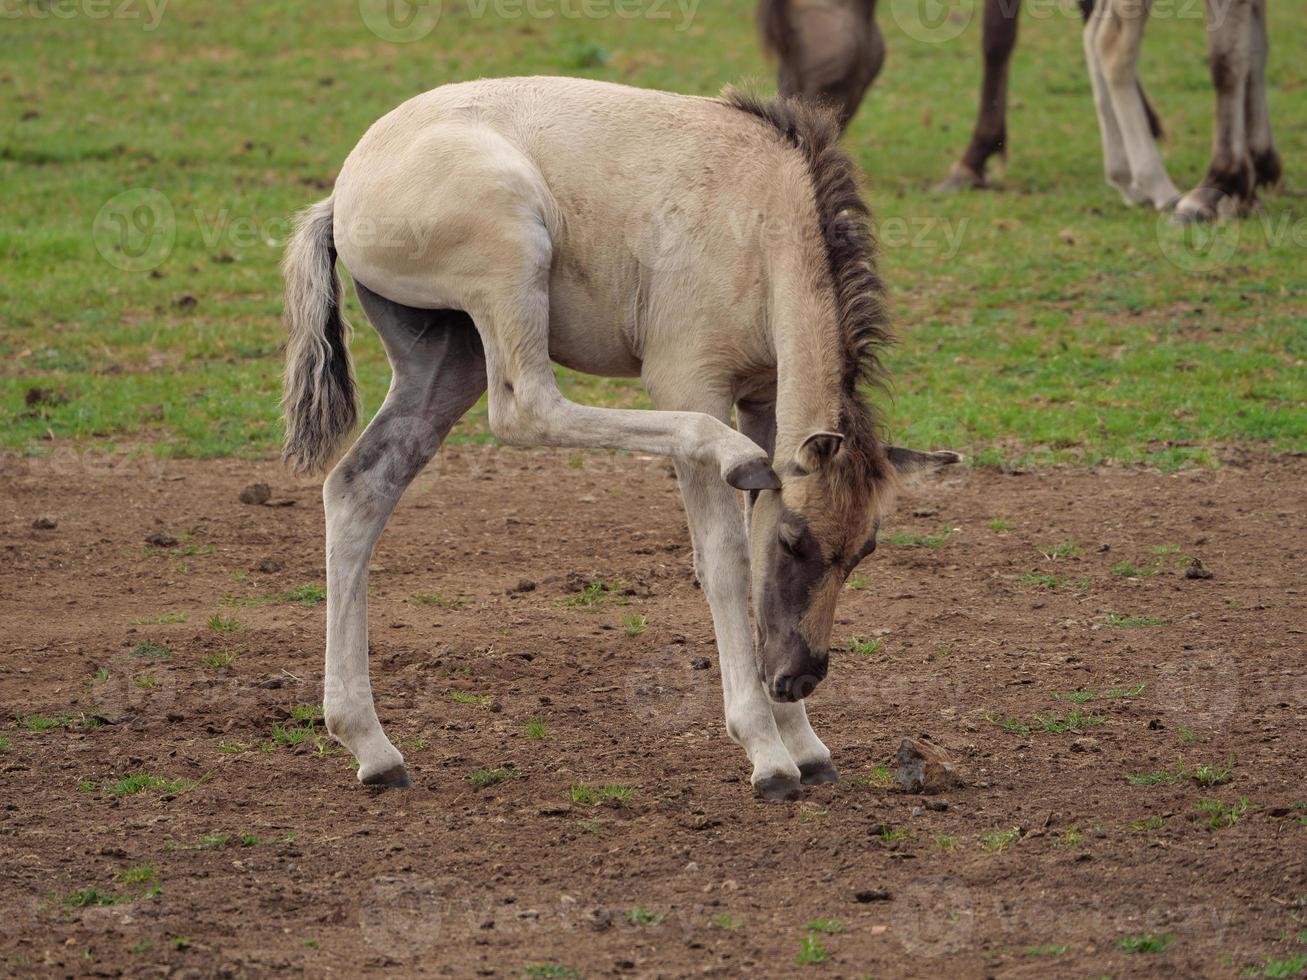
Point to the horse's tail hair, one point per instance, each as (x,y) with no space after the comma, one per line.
(320,403)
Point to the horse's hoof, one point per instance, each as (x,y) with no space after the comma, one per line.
(777,788)
(816,773)
(754,474)
(959,179)
(396,777)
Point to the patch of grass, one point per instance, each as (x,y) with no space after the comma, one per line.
(1127,569)
(222,624)
(643,917)
(292,734)
(534,728)
(307,712)
(1203,775)
(144,946)
(892,835)
(1074,837)
(1075,721)
(1057,950)
(101,675)
(831,927)
(93,896)
(811,951)
(482,778)
(180,942)
(597,594)
(725,921)
(1294,966)
(880,777)
(1000,840)
(998,524)
(145,682)
(305,595)
(1147,942)
(857,581)
(137,874)
(615,793)
(864,647)
(1211,775)
(634,624)
(550,971)
(1221,815)
(218,661)
(462,697)
(138,782)
(162,619)
(905,540)
(1133,622)
(1155,822)
(5,744)
(437,599)
(41,723)
(151,650)
(1067,549)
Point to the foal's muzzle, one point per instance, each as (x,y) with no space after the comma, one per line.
(797,683)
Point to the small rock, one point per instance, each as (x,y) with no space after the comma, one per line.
(186,301)
(700,663)
(600,919)
(1086,744)
(45,524)
(924,768)
(256,493)
(268,566)
(160,539)
(273,683)
(939,806)
(526,585)
(1197,569)
(869,895)
(1156,725)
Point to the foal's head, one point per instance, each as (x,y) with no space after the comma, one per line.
(806,539)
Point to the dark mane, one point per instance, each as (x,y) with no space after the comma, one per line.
(850,253)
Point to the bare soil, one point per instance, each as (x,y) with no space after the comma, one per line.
(1042,864)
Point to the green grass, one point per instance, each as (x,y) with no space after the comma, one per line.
(482,778)
(1148,942)
(880,777)
(292,734)
(1221,815)
(1113,694)
(1067,549)
(633,624)
(218,661)
(1074,721)
(811,951)
(998,524)
(41,723)
(857,581)
(864,647)
(1000,840)
(151,650)
(5,744)
(137,874)
(615,793)
(437,599)
(221,624)
(1128,569)
(462,697)
(1133,622)
(1015,346)
(1294,966)
(598,593)
(162,619)
(534,728)
(138,782)
(643,917)
(831,927)
(550,971)
(1203,775)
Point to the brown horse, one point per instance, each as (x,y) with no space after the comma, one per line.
(832,50)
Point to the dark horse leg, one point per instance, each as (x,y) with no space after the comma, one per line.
(829,52)
(998,40)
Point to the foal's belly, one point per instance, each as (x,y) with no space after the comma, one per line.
(588,332)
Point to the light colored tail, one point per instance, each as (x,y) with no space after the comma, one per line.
(319,401)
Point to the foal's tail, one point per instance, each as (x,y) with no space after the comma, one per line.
(319,399)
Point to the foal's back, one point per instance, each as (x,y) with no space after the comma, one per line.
(628,190)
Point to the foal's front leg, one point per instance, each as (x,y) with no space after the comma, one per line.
(721,558)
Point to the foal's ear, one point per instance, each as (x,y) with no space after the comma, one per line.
(908,461)
(818,450)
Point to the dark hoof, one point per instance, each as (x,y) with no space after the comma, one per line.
(961,178)
(816,773)
(777,788)
(756,474)
(395,777)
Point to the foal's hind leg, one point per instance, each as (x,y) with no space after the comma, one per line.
(439,373)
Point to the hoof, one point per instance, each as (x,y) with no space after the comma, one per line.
(777,788)
(755,474)
(396,777)
(816,773)
(959,179)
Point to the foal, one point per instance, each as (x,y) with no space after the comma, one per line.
(495,225)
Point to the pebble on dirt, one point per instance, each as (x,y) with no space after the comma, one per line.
(1086,744)
(1197,569)
(160,539)
(256,494)
(924,768)
(45,524)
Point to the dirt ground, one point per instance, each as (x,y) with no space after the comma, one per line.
(1046,862)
